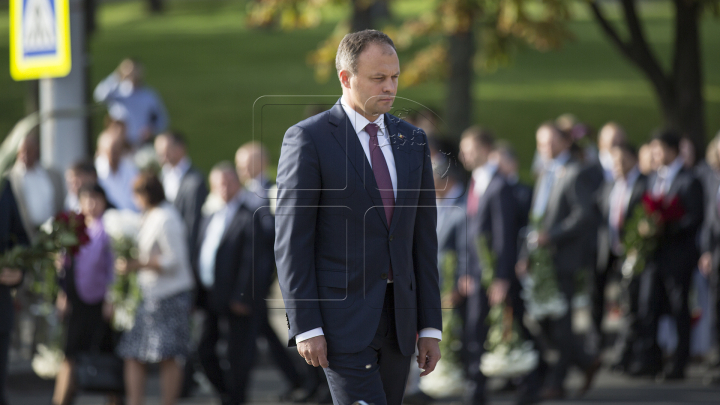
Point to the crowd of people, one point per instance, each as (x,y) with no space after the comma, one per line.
(207,245)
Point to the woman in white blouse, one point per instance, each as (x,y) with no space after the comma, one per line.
(161,332)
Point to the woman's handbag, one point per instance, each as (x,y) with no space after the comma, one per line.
(100,372)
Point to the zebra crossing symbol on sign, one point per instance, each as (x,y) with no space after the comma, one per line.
(39,39)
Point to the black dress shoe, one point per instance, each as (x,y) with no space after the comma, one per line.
(643,370)
(552,394)
(676,374)
(590,374)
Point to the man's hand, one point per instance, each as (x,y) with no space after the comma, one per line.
(543,239)
(705,264)
(498,291)
(428,354)
(240,309)
(62,305)
(314,351)
(10,276)
(466,286)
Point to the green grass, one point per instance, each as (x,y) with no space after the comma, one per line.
(210,71)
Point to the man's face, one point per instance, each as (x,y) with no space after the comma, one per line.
(549,143)
(468,153)
(609,137)
(167,151)
(623,162)
(28,153)
(373,88)
(249,163)
(506,165)
(74,180)
(662,155)
(224,184)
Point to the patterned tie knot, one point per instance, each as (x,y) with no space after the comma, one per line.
(372,129)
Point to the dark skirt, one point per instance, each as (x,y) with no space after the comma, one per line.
(161,330)
(86,329)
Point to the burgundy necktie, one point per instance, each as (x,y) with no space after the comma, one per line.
(472,199)
(382,176)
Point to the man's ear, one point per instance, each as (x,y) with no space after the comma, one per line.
(344,76)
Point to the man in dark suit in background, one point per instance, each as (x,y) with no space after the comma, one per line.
(491,215)
(12,233)
(356,242)
(665,283)
(709,263)
(184,185)
(562,210)
(227,267)
(615,204)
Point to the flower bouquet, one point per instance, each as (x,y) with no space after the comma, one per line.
(508,355)
(125,295)
(643,230)
(540,288)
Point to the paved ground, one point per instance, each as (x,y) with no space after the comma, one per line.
(26,389)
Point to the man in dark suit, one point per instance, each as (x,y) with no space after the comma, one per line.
(665,283)
(228,246)
(561,214)
(491,215)
(355,246)
(615,204)
(709,263)
(12,233)
(184,185)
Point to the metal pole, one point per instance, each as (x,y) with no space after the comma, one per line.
(63,139)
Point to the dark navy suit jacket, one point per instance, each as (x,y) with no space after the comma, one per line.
(333,245)
(12,233)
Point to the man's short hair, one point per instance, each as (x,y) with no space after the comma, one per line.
(627,148)
(225,167)
(565,135)
(176,137)
(84,167)
(352,45)
(481,136)
(505,149)
(668,137)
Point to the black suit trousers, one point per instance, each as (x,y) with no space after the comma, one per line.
(241,334)
(4,349)
(378,374)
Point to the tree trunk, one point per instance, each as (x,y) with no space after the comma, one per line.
(156,6)
(459,103)
(367,14)
(688,114)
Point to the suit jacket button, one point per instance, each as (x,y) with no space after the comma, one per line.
(391,238)
(383,276)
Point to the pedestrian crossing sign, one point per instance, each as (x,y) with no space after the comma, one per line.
(39,39)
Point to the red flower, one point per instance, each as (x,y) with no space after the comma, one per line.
(666,211)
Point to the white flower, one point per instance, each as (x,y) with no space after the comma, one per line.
(124,317)
(554,308)
(121,223)
(47,362)
(146,159)
(447,380)
(509,363)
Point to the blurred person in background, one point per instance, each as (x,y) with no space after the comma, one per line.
(227,269)
(161,333)
(88,276)
(614,205)
(39,191)
(562,205)
(665,282)
(508,166)
(12,233)
(115,169)
(184,185)
(76,176)
(491,214)
(251,160)
(130,101)
(709,263)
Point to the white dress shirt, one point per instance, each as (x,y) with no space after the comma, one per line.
(172,177)
(39,194)
(213,236)
(118,185)
(546,184)
(359,123)
(482,176)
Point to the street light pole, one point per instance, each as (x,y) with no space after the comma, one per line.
(63,129)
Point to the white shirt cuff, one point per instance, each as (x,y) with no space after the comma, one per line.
(430,333)
(309,334)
